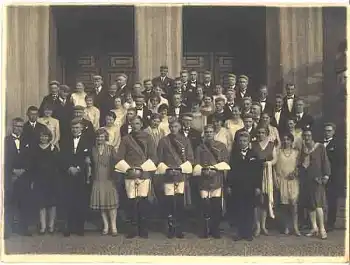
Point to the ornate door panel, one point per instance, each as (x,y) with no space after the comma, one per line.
(219,64)
(87,67)
(117,63)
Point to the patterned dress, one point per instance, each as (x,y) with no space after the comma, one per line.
(104,194)
(285,165)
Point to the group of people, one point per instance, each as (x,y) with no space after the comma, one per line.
(170,142)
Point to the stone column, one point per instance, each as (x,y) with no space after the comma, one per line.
(298,57)
(158,40)
(27,58)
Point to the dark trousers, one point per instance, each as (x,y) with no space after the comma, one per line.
(332,192)
(76,206)
(244,216)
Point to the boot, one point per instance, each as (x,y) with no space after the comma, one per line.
(205,218)
(132,230)
(179,214)
(143,210)
(169,206)
(216,210)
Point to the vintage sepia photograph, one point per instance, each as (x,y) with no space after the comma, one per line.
(174,130)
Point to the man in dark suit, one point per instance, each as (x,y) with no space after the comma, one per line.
(17,181)
(126,127)
(245,105)
(220,111)
(74,153)
(193,82)
(141,110)
(243,184)
(333,184)
(266,105)
(248,127)
(32,128)
(289,100)
(177,108)
(148,88)
(51,99)
(230,103)
(98,91)
(193,135)
(242,91)
(163,81)
(304,120)
(208,85)
(87,127)
(108,104)
(64,111)
(122,87)
(278,116)
(231,78)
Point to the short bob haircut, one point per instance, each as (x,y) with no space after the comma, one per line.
(102,131)
(163,107)
(289,135)
(45,131)
(111,114)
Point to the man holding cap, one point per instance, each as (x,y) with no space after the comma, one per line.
(175,159)
(208,157)
(135,149)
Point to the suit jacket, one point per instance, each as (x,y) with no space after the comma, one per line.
(269,107)
(306,121)
(239,98)
(224,115)
(146,117)
(137,148)
(183,109)
(98,98)
(173,150)
(122,91)
(282,124)
(70,159)
(208,89)
(64,114)
(285,107)
(252,134)
(336,161)
(194,136)
(88,130)
(30,135)
(228,108)
(192,85)
(49,100)
(165,85)
(124,129)
(14,159)
(244,176)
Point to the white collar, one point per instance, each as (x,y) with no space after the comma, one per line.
(32,123)
(16,136)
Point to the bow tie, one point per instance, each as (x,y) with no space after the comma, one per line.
(15,137)
(327,141)
(231,104)
(187,130)
(263,100)
(290,97)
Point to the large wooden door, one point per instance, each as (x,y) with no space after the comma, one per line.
(220,64)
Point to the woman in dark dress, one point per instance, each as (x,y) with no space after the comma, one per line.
(45,175)
(266,151)
(314,173)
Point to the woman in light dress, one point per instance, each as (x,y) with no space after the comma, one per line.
(120,112)
(164,124)
(78,97)
(158,91)
(273,132)
(198,119)
(51,123)
(91,112)
(104,196)
(222,134)
(112,130)
(297,133)
(235,123)
(128,101)
(287,182)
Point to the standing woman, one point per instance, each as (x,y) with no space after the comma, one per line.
(45,174)
(297,133)
(51,123)
(287,181)
(104,195)
(164,123)
(265,151)
(235,122)
(273,132)
(112,130)
(314,174)
(78,97)
(207,107)
(120,112)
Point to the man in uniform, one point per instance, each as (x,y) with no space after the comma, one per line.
(174,151)
(17,181)
(207,155)
(74,151)
(163,81)
(244,184)
(135,149)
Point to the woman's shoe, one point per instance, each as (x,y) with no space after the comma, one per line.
(323,234)
(297,233)
(286,231)
(51,231)
(264,231)
(104,232)
(42,232)
(114,233)
(312,233)
(257,232)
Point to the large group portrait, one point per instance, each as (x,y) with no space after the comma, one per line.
(191,131)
